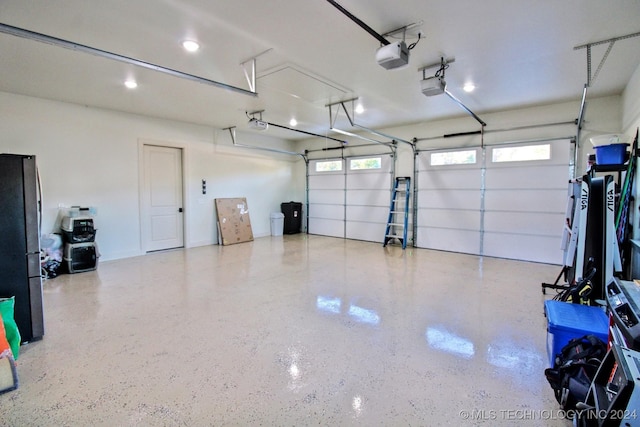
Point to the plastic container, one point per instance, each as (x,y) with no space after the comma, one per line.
(612,154)
(566,321)
(80,257)
(277,223)
(78,229)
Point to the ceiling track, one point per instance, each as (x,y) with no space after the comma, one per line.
(591,79)
(569,138)
(232,132)
(251,78)
(343,142)
(355,135)
(583,105)
(354,124)
(464,107)
(511,129)
(32,35)
(391,151)
(443,64)
(614,39)
(364,26)
(253,114)
(384,41)
(588,46)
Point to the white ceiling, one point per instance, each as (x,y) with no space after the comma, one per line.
(308,54)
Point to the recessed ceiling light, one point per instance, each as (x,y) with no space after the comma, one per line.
(131,84)
(293,122)
(469,87)
(359,109)
(190,45)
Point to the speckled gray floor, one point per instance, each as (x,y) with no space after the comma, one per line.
(290,331)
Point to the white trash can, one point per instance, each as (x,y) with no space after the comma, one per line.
(277,223)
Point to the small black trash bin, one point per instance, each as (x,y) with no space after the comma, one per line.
(292,217)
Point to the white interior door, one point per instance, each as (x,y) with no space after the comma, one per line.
(162,200)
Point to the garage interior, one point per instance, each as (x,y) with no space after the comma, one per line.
(486,112)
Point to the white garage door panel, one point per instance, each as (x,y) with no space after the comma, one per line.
(449,200)
(524,200)
(544,224)
(444,218)
(369,197)
(486,208)
(528,177)
(525,205)
(444,179)
(326,196)
(326,227)
(326,211)
(458,199)
(530,248)
(376,181)
(326,203)
(463,241)
(367,231)
(368,213)
(368,194)
(330,181)
(355,200)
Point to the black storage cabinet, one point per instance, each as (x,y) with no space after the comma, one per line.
(292,217)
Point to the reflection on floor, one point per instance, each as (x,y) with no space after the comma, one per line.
(292,330)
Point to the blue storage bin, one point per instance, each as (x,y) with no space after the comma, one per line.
(612,154)
(566,321)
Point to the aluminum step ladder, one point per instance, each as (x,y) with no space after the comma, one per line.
(398,221)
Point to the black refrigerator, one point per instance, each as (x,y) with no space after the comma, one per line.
(20,247)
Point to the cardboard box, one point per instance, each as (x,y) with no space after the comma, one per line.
(234,223)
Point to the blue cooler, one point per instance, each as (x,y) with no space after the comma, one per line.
(566,321)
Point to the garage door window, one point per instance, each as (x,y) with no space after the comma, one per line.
(329,166)
(465,157)
(367,163)
(521,154)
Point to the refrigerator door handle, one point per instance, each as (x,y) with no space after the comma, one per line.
(33,264)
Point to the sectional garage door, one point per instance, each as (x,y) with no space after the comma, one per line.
(326,198)
(350,197)
(499,205)
(449,205)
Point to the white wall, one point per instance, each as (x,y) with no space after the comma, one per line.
(89,157)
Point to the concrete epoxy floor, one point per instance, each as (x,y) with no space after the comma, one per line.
(294,330)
